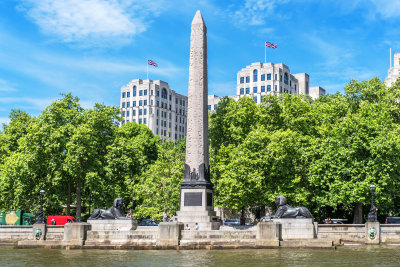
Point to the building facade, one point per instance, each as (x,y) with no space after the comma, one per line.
(393,72)
(157,106)
(260,79)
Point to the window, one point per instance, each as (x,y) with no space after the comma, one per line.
(242,91)
(215,107)
(176,137)
(151,92)
(269,88)
(254,89)
(280,90)
(165,123)
(169,125)
(134,112)
(255,99)
(151,110)
(241,79)
(123,104)
(176,101)
(164,93)
(180,102)
(145,92)
(145,103)
(128,94)
(157,93)
(140,102)
(157,122)
(169,114)
(128,104)
(286,78)
(247,79)
(183,102)
(157,131)
(127,113)
(134,103)
(276,77)
(209,107)
(158,113)
(280,77)
(140,121)
(145,111)
(269,76)
(140,92)
(151,102)
(123,113)
(276,88)
(262,77)
(170,97)
(144,120)
(123,95)
(140,111)
(262,88)
(247,90)
(255,74)
(157,103)
(134,91)
(123,121)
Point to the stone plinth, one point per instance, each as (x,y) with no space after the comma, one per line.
(372,233)
(269,231)
(113,225)
(39,231)
(298,228)
(206,220)
(75,234)
(169,234)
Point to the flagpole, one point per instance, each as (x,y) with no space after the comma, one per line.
(147,70)
(265,53)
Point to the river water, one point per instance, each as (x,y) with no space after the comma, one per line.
(342,256)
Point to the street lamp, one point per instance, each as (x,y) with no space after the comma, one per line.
(40,218)
(372,216)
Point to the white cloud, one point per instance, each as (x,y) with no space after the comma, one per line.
(27,102)
(91,21)
(387,8)
(6,86)
(255,12)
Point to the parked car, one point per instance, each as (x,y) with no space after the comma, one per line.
(231,222)
(335,221)
(59,220)
(148,222)
(393,220)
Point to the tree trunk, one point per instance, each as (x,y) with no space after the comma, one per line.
(69,200)
(78,200)
(358,213)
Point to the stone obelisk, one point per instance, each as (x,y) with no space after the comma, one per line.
(196,204)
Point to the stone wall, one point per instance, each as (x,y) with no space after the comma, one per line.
(14,233)
(390,233)
(343,232)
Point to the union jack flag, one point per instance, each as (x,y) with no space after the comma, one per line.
(151,62)
(268,44)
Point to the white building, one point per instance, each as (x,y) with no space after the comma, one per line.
(260,79)
(213,102)
(154,104)
(393,72)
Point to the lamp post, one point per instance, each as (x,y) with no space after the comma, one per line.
(372,216)
(40,218)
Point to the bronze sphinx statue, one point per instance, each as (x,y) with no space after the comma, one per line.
(286,211)
(115,212)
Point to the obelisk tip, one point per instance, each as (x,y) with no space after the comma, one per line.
(198,18)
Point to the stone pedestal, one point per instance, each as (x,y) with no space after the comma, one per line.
(75,234)
(197,207)
(169,234)
(39,231)
(268,234)
(113,225)
(372,233)
(297,228)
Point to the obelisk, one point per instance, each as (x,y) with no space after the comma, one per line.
(196,188)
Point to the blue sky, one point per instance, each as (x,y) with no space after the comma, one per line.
(93,47)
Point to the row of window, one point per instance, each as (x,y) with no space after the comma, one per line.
(141,121)
(255,77)
(215,107)
(164,95)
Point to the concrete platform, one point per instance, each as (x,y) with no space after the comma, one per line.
(304,243)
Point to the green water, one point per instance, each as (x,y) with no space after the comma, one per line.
(342,256)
